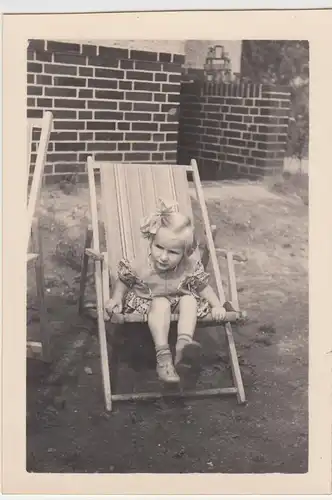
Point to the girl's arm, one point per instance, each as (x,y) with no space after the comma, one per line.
(120,290)
(208,294)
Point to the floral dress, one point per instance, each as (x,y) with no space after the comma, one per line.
(144,283)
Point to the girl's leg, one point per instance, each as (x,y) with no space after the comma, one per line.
(186,348)
(159,322)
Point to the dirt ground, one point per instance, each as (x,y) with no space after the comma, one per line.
(68,429)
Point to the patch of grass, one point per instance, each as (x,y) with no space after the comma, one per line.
(290,183)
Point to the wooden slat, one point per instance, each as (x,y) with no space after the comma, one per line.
(135,202)
(110,216)
(39,170)
(182,189)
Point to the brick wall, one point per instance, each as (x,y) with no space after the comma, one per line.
(117,104)
(234,129)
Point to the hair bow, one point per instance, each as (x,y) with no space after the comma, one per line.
(151,223)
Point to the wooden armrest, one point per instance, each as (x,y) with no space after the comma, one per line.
(94,254)
(231,317)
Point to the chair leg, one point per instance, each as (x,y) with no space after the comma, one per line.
(102,337)
(235,366)
(84,271)
(40,285)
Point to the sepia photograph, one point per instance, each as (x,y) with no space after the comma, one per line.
(167,255)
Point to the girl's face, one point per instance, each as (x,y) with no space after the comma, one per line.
(166,250)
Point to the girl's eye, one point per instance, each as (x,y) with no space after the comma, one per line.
(159,247)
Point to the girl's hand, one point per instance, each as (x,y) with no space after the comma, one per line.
(113,306)
(218,313)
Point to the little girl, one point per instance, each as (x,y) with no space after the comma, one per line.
(168,279)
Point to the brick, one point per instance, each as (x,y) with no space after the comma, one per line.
(145,126)
(169,87)
(238,126)
(141,55)
(100,125)
(89,50)
(254,111)
(69,125)
(234,118)
(124,146)
(43,56)
(109,73)
(157,156)
(174,78)
(63,136)
(101,146)
(44,103)
(31,102)
(68,168)
(165,57)
(209,138)
(175,98)
(158,137)
(102,84)
(108,94)
(132,157)
(265,119)
(30,78)
(144,146)
(146,106)
(236,142)
(85,115)
(178,58)
(69,146)
(98,104)
(146,86)
(125,106)
(108,115)
(86,136)
(57,69)
(207,123)
(69,103)
(114,52)
(232,134)
(84,93)
(264,137)
(168,127)
(64,114)
(105,62)
(85,71)
(159,117)
(148,66)
(109,156)
(159,97)
(53,46)
(36,44)
(34,90)
(138,116)
(239,110)
(123,125)
(171,156)
(70,59)
(140,75)
(209,131)
(44,80)
(160,77)
(33,67)
(60,92)
(65,81)
(109,136)
(258,154)
(127,64)
(125,85)
(137,136)
(167,146)
(55,157)
(171,68)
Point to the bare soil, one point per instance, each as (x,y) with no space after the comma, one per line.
(68,429)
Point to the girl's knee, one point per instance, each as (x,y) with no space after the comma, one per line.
(188,301)
(160,304)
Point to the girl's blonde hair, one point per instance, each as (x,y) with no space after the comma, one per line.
(181,226)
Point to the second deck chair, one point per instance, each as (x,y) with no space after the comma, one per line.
(128,193)
(40,349)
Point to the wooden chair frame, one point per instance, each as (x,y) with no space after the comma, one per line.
(34,240)
(102,286)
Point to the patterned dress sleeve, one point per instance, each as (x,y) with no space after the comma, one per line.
(198,279)
(126,273)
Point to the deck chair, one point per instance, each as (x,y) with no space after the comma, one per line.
(39,349)
(129,192)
